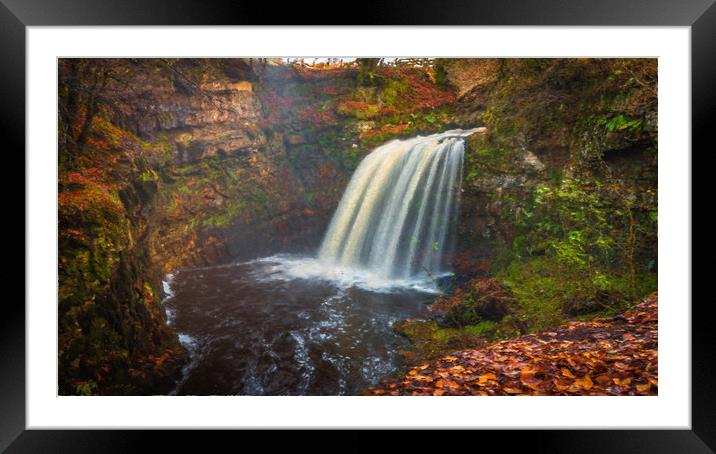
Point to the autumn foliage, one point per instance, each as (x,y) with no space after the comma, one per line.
(422,93)
(615,356)
(479,299)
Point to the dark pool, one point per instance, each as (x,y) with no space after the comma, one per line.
(286,326)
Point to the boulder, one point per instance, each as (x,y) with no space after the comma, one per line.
(480,299)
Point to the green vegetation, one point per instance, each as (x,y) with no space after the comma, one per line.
(587,105)
(576,236)
(572,237)
(550,292)
(101,280)
(581,246)
(400,101)
(487,156)
(432,340)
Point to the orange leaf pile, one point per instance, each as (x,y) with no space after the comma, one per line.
(616,356)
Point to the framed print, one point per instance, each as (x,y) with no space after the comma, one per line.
(441,217)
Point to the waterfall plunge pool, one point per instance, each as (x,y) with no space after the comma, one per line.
(273,327)
(289,325)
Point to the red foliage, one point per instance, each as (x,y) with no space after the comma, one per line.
(355,105)
(317,117)
(273,101)
(390,110)
(422,93)
(387,129)
(321,71)
(467,264)
(279,108)
(617,356)
(74,234)
(87,200)
(332,90)
(78,120)
(98,145)
(77,178)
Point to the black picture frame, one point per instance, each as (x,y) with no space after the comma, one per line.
(16,15)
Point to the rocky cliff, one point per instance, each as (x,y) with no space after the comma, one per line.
(559,206)
(168,163)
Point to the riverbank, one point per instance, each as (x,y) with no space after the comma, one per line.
(612,356)
(169,164)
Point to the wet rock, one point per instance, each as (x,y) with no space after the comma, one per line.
(479,299)
(602,301)
(493,182)
(215,140)
(576,308)
(532,162)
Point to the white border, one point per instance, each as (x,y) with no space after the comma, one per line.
(671,409)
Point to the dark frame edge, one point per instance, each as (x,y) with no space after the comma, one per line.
(12,323)
(14,437)
(703,102)
(387,12)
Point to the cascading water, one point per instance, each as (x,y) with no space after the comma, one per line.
(393,226)
(395,216)
(291,324)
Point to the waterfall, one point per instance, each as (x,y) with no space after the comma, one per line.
(395,216)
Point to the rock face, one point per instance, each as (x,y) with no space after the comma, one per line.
(163,165)
(559,195)
(549,122)
(478,300)
(167,163)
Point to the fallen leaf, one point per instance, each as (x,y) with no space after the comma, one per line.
(485,377)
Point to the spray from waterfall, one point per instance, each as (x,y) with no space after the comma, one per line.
(393,227)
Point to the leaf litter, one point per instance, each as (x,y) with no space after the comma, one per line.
(615,356)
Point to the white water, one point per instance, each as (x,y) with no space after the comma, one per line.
(391,232)
(393,226)
(285,267)
(392,229)
(395,217)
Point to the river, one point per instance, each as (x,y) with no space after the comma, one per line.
(287,325)
(257,328)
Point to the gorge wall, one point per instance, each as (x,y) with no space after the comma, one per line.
(168,163)
(559,211)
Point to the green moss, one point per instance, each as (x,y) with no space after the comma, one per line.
(225,178)
(115,135)
(393,91)
(406,124)
(580,245)
(486,328)
(308,199)
(86,388)
(359,110)
(486,155)
(542,286)
(429,340)
(588,105)
(224,218)
(149,175)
